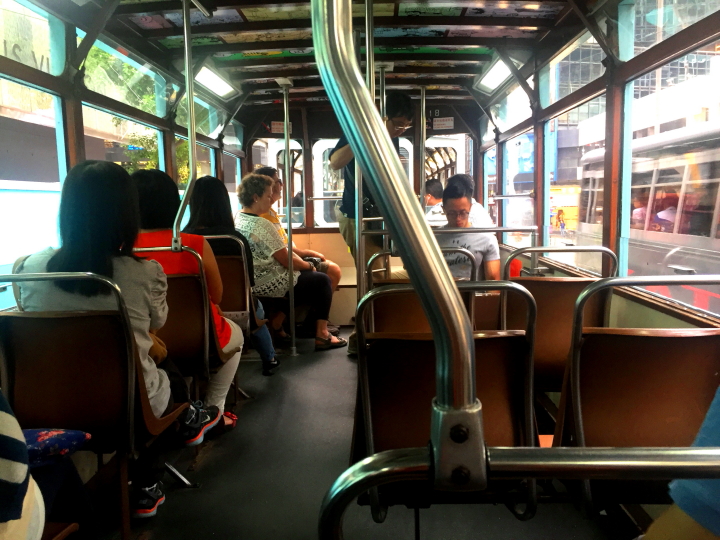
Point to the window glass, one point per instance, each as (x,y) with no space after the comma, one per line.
(112,138)
(518,168)
(657,20)
(327,183)
(31,37)
(29,175)
(673,208)
(574,167)
(490,182)
(295,184)
(513,109)
(203,161)
(208,119)
(233,137)
(114,74)
(579,65)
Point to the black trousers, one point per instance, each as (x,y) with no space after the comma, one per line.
(314,289)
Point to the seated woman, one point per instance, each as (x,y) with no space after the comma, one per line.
(210,214)
(159,202)
(98,226)
(271,259)
(327,267)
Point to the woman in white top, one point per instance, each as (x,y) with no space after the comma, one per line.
(271,258)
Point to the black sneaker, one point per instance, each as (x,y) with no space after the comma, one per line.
(197,422)
(267,367)
(145,501)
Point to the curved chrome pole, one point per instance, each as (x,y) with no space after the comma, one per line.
(190,93)
(383,468)
(354,106)
(422,126)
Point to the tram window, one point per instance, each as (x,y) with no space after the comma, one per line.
(664,210)
(326,183)
(638,207)
(208,120)
(670,175)
(30,175)
(127,143)
(697,209)
(28,34)
(704,171)
(114,74)
(297,175)
(518,179)
(203,161)
(642,178)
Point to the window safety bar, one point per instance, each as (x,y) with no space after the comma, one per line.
(127,327)
(456,401)
(329,198)
(560,249)
(472,230)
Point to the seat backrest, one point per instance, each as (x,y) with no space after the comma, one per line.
(185,331)
(647,387)
(555,298)
(233,273)
(401,382)
(401,312)
(487,311)
(70,370)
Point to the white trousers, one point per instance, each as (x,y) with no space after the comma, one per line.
(220,382)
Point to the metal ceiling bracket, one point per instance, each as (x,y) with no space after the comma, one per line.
(205,11)
(594,28)
(239,102)
(478,99)
(99,23)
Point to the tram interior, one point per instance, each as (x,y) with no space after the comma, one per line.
(590,128)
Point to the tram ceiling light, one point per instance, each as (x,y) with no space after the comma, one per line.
(215,83)
(493,77)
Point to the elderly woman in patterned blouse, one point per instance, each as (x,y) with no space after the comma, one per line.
(271,259)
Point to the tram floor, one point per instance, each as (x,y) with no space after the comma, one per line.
(267,477)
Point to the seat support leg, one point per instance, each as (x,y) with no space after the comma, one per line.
(416,511)
(179,477)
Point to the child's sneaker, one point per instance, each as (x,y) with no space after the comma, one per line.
(197,422)
(145,501)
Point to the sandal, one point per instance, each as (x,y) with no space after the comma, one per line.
(279,338)
(327,344)
(334,330)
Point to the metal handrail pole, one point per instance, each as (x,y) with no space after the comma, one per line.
(560,249)
(373,218)
(122,308)
(456,400)
(288,212)
(423,137)
(472,230)
(383,108)
(324,198)
(604,463)
(190,93)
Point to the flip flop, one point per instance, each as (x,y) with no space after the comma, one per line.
(327,344)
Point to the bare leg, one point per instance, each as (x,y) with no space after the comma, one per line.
(334,273)
(321,332)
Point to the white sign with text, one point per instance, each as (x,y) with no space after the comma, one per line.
(447,122)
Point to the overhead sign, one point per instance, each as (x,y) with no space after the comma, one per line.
(279,127)
(447,122)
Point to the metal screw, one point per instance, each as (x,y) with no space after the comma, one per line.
(459,433)
(460,475)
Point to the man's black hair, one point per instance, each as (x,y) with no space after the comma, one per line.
(434,188)
(210,204)
(399,105)
(158,197)
(465,179)
(98,221)
(267,171)
(460,187)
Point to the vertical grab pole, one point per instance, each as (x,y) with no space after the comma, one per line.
(288,213)
(383,114)
(423,136)
(190,93)
(455,466)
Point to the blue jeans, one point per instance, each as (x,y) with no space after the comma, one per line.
(261,339)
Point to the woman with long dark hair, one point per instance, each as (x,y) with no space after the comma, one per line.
(210,215)
(98,227)
(159,202)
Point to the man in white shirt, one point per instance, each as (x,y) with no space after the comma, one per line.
(479,217)
(457,202)
(433,203)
